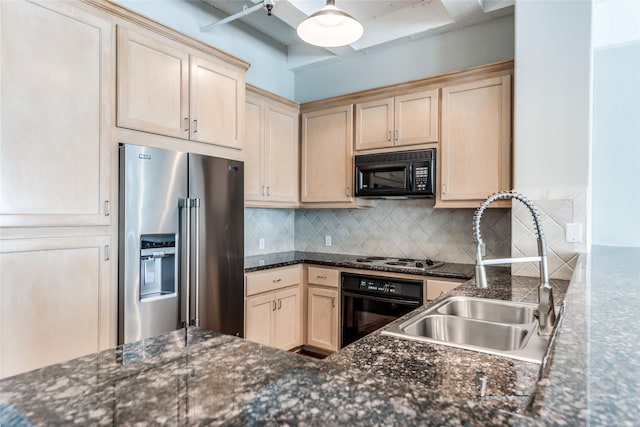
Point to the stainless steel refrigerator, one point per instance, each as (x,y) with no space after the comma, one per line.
(181,246)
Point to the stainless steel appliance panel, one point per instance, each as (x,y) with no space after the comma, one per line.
(152,183)
(218,246)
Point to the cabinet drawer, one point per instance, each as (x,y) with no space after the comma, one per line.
(323,276)
(271,279)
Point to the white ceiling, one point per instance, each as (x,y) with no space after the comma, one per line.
(386,22)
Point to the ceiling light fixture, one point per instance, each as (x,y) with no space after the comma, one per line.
(330,27)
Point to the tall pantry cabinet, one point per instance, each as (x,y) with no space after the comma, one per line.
(79,77)
(55,183)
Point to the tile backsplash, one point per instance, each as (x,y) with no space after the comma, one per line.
(396,228)
(564,205)
(275,226)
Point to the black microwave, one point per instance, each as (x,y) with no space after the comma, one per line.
(409,174)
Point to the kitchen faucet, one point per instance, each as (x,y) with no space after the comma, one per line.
(545,312)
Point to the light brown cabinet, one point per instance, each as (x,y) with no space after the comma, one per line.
(435,288)
(271,153)
(323,298)
(55,138)
(273,307)
(54,301)
(165,88)
(475,148)
(398,121)
(327,156)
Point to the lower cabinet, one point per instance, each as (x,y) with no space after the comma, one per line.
(55,301)
(323,310)
(273,308)
(322,318)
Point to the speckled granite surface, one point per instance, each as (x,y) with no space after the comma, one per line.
(205,378)
(282,259)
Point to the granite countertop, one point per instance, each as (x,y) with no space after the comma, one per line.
(283,259)
(201,377)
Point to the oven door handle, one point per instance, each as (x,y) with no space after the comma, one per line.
(391,300)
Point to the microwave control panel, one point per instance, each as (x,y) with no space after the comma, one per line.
(422,178)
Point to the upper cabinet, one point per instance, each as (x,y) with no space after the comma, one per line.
(271,152)
(398,121)
(55,97)
(327,156)
(167,89)
(475,149)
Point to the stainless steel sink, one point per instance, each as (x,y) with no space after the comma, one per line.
(497,327)
(490,310)
(458,330)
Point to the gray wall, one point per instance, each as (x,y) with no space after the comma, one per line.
(616,146)
(476,45)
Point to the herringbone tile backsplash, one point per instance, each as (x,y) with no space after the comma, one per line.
(396,228)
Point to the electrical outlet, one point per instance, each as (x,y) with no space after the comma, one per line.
(573,232)
(483,249)
(327,240)
(261,243)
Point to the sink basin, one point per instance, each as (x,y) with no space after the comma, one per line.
(459,330)
(490,310)
(503,328)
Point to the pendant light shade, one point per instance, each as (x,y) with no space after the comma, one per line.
(330,27)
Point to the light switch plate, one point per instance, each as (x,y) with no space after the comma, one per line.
(261,243)
(573,232)
(327,240)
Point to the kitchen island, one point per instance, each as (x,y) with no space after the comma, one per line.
(201,377)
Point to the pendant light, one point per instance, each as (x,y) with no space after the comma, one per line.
(330,27)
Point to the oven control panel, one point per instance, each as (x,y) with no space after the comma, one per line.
(377,286)
(371,285)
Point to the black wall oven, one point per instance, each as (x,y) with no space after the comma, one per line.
(409,174)
(370,302)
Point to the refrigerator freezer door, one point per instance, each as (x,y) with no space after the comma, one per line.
(152,181)
(218,185)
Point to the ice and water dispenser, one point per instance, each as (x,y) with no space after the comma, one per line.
(157,266)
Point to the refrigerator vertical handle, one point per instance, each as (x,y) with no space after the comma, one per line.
(196,255)
(185,207)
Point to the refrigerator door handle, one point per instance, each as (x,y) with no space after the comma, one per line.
(185,264)
(196,308)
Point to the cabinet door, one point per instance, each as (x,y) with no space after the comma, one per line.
(327,155)
(153,85)
(55,97)
(281,157)
(259,313)
(374,124)
(322,318)
(55,301)
(476,140)
(217,102)
(288,317)
(254,150)
(416,118)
